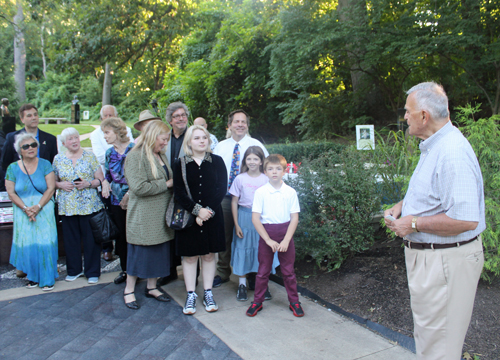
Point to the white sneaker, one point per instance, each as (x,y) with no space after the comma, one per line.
(73,278)
(93,280)
(190,306)
(209,302)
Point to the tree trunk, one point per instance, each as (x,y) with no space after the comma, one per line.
(19,53)
(42,49)
(106,88)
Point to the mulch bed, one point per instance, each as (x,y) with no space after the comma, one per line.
(373,285)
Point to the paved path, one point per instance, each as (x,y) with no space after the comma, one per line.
(87,136)
(81,321)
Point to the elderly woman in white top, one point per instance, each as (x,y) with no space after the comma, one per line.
(78,175)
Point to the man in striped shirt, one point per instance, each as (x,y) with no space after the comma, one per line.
(441,219)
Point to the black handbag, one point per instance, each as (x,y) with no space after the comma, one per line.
(103,227)
(178,218)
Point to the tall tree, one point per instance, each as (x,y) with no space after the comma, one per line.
(20,52)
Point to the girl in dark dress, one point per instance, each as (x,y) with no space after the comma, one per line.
(207,180)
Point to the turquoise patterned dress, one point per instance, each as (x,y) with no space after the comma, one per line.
(34,243)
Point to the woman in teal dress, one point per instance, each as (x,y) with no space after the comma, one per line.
(34,243)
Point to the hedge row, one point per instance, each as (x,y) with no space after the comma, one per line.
(297,152)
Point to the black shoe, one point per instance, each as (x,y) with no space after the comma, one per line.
(242,293)
(296,309)
(166,279)
(251,281)
(218,281)
(121,278)
(163,297)
(131,305)
(254,309)
(267,295)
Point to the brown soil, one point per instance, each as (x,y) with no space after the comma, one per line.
(373,285)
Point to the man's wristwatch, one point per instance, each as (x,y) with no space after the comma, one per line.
(414,224)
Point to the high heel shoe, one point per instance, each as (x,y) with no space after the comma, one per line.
(162,297)
(131,305)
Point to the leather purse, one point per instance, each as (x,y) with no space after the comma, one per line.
(103,227)
(178,218)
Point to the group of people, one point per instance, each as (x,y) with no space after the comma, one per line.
(243,211)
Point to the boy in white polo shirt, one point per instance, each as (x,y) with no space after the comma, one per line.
(275,215)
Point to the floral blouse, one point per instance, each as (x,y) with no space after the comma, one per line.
(77,202)
(114,173)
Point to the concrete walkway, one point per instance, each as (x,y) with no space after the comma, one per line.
(81,321)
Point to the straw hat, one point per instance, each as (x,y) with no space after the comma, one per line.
(145,115)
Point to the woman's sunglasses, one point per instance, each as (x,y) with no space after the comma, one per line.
(34,145)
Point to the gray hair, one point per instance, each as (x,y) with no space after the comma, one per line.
(173,108)
(432,98)
(111,106)
(20,138)
(67,132)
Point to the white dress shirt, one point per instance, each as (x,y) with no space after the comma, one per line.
(225,150)
(275,205)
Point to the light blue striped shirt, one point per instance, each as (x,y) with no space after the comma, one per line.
(447,180)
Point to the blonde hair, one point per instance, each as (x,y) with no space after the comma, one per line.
(118,126)
(189,136)
(147,141)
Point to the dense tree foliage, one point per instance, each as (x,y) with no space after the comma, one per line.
(309,68)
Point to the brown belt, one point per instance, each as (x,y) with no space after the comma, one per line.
(421,246)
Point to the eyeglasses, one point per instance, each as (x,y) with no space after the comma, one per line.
(177,117)
(34,145)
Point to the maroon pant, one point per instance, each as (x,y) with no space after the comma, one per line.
(287,260)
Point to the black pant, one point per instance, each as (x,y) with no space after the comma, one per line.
(120,218)
(76,229)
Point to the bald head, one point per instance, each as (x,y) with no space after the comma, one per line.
(200,121)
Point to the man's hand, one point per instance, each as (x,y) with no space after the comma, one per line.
(401,227)
(394,211)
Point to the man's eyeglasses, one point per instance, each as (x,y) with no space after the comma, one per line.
(34,145)
(177,117)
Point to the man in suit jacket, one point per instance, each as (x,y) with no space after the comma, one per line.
(48,143)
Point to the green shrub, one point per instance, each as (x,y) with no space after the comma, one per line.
(395,157)
(297,152)
(484,136)
(337,195)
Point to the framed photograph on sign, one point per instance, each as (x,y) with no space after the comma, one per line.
(365,137)
(86,114)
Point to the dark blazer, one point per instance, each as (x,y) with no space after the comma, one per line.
(48,147)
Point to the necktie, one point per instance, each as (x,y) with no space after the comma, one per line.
(235,165)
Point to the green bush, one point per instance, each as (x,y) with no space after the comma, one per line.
(484,137)
(395,157)
(297,152)
(337,195)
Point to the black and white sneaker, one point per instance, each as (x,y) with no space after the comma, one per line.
(190,306)
(242,293)
(209,302)
(31,284)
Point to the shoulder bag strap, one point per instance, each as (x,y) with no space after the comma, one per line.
(183,170)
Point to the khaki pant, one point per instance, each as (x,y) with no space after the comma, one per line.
(224,263)
(442,286)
